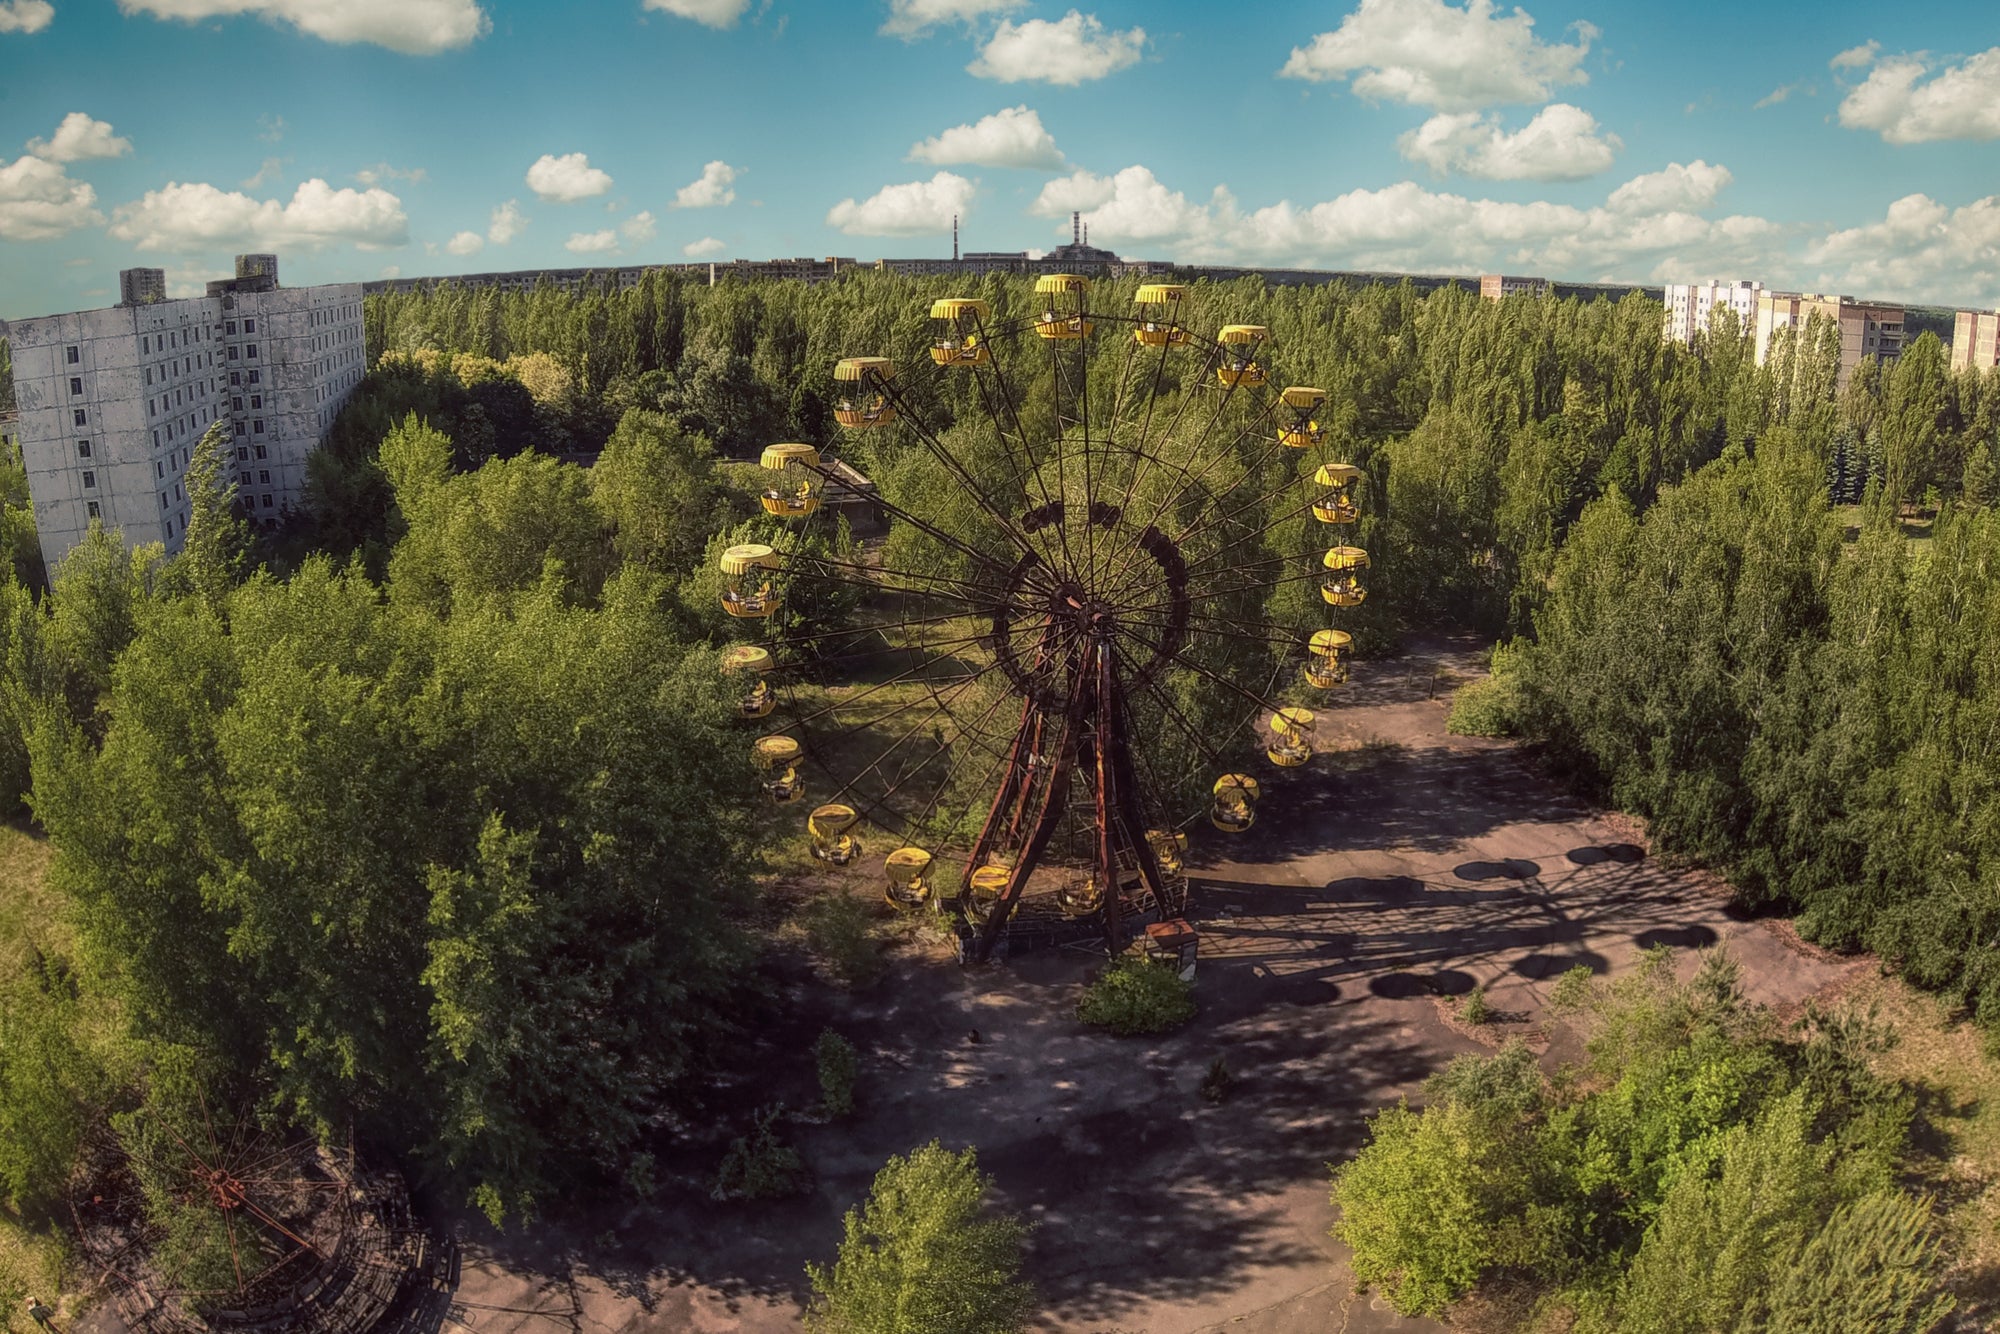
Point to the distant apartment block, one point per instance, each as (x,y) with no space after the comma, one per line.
(1690,306)
(112,401)
(1975,340)
(1867,329)
(1494,286)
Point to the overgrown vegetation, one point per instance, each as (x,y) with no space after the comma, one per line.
(838,1066)
(1135,996)
(1702,1170)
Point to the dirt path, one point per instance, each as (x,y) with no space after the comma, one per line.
(1413,866)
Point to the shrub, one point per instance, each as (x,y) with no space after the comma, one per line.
(840,931)
(839,1064)
(1491,706)
(1136,995)
(1476,1010)
(922,1254)
(760,1166)
(1215,1085)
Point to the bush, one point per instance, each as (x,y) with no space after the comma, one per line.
(1215,1085)
(839,1064)
(1136,995)
(1476,1010)
(1492,706)
(840,932)
(760,1166)
(922,1256)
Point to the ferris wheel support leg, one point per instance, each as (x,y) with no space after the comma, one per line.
(1046,820)
(1105,742)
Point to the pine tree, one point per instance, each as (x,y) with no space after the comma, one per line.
(1980,482)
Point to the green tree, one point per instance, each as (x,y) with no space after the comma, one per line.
(217,541)
(923,1255)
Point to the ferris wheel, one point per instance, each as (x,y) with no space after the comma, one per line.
(1114,549)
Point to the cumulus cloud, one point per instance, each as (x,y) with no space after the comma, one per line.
(506,223)
(1129,205)
(714,13)
(79,138)
(1072,50)
(566,179)
(466,243)
(200,217)
(39,202)
(1010,138)
(639,228)
(910,19)
(706,248)
(911,209)
(1562,143)
(413,27)
(714,188)
(1430,53)
(26,15)
(592,243)
(1920,250)
(1855,57)
(1678,188)
(1903,102)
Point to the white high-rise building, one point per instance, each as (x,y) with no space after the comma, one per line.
(1690,306)
(112,401)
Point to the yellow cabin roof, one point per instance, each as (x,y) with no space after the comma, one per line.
(772,751)
(1331,641)
(989,879)
(1285,722)
(1336,474)
(1054,284)
(1243,333)
(851,369)
(1346,558)
(953,307)
(911,862)
(777,456)
(1243,783)
(746,658)
(1299,396)
(832,818)
(1160,294)
(747,557)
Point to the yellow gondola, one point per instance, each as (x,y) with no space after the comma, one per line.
(748,590)
(777,757)
(1240,368)
(961,324)
(984,888)
(1301,432)
(1327,665)
(794,492)
(1291,737)
(1342,586)
(760,699)
(1080,898)
(862,402)
(1234,807)
(827,827)
(1056,323)
(1169,849)
(1159,323)
(1335,501)
(907,869)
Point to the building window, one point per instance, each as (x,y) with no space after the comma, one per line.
(236,404)
(257,401)
(82,417)
(91,506)
(156,440)
(159,468)
(236,377)
(89,480)
(149,375)
(267,502)
(257,426)
(260,451)
(72,355)
(83,449)
(75,385)
(230,327)
(232,353)
(249,326)
(243,478)
(146,346)
(256,376)
(252,354)
(264,476)
(239,428)
(163,500)
(242,453)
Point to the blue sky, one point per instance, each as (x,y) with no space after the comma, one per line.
(1832,146)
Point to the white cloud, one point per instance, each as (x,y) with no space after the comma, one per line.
(1131,205)
(270,169)
(39,202)
(639,228)
(382,171)
(413,27)
(1430,53)
(714,188)
(1921,250)
(1010,138)
(706,248)
(1775,96)
(1562,143)
(79,138)
(1072,50)
(914,18)
(1854,57)
(592,243)
(1677,188)
(911,209)
(198,217)
(466,243)
(566,179)
(714,13)
(506,223)
(25,15)
(1961,102)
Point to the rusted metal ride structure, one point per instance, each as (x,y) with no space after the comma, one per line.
(1085,568)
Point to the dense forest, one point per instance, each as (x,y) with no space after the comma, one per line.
(375,818)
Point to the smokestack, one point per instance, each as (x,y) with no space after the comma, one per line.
(1076,228)
(954,238)
(1086,233)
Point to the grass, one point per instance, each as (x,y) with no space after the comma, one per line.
(30,918)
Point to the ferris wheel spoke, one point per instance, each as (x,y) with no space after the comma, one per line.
(925,665)
(813,565)
(1250,534)
(1195,666)
(941,454)
(1154,691)
(963,548)
(938,707)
